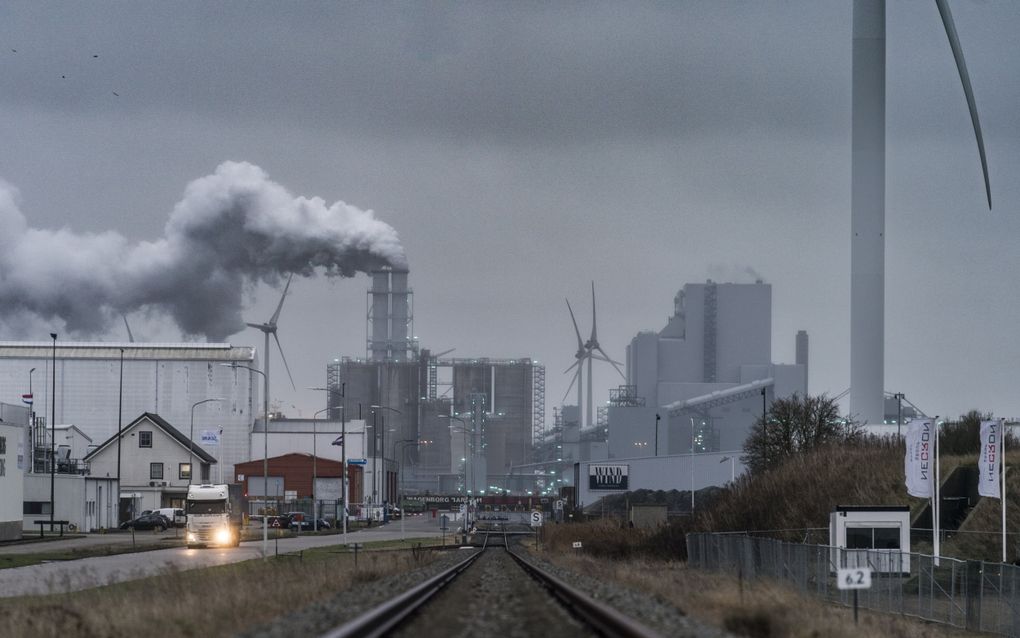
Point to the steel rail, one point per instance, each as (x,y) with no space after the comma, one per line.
(603,618)
(380,620)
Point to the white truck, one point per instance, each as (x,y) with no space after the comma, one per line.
(215,515)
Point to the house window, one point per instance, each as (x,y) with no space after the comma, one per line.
(155,470)
(205,472)
(3,445)
(872,537)
(36,507)
(145,439)
(184,471)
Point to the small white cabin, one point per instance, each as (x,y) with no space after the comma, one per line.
(871,536)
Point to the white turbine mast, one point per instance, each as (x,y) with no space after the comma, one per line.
(270,328)
(587,351)
(867,200)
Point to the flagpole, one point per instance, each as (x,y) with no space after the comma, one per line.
(936,509)
(1002,493)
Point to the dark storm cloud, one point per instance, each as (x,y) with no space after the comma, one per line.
(559,73)
(231,229)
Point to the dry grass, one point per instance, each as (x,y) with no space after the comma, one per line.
(206,602)
(759,609)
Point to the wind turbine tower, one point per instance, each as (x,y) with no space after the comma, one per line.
(587,351)
(269,328)
(867,200)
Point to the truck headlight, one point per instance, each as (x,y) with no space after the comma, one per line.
(191,537)
(223,536)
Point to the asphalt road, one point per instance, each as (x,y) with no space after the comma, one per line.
(64,576)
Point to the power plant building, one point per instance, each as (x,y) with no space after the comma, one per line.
(705,377)
(452,424)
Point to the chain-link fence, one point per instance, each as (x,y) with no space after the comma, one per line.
(972,595)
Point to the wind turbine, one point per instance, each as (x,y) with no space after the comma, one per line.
(587,351)
(867,199)
(270,328)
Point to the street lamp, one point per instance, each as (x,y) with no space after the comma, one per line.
(467,506)
(315,474)
(400,476)
(692,468)
(657,419)
(899,396)
(191,437)
(343,451)
(382,435)
(53,433)
(733,467)
(265,455)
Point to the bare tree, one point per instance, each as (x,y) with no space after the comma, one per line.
(794,425)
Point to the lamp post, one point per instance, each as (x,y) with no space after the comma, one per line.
(764,434)
(382,436)
(657,419)
(191,436)
(31,397)
(120,428)
(53,433)
(265,454)
(733,467)
(692,467)
(400,476)
(899,396)
(467,492)
(315,473)
(343,451)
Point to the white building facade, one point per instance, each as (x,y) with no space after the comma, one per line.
(164,379)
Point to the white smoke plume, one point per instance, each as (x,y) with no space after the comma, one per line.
(231,230)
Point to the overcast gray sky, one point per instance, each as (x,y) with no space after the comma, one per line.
(521,150)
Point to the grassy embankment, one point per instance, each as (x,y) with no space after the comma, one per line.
(791,502)
(216,601)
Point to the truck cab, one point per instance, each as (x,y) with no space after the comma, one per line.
(214,516)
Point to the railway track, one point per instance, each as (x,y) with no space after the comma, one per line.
(492,591)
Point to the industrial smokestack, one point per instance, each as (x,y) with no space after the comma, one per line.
(231,230)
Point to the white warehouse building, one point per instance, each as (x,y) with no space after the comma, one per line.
(167,379)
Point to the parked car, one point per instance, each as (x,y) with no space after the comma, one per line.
(307,524)
(154,521)
(176,515)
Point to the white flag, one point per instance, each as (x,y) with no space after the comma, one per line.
(919,462)
(989,458)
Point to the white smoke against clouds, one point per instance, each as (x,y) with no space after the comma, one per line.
(232,229)
(732,273)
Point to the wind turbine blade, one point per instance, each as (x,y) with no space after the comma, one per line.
(594,338)
(131,337)
(443,353)
(285,366)
(616,364)
(257,326)
(571,386)
(574,365)
(580,342)
(279,307)
(961,66)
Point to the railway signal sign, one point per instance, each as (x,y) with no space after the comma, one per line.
(854,578)
(536,518)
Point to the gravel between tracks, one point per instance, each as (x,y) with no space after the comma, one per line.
(346,605)
(320,617)
(651,611)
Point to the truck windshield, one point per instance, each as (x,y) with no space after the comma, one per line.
(207,507)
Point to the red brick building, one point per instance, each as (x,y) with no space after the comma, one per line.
(293,472)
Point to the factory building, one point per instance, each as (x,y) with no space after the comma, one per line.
(454,424)
(163,379)
(701,381)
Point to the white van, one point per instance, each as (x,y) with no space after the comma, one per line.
(175,514)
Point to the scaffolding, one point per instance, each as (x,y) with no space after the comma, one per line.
(538,403)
